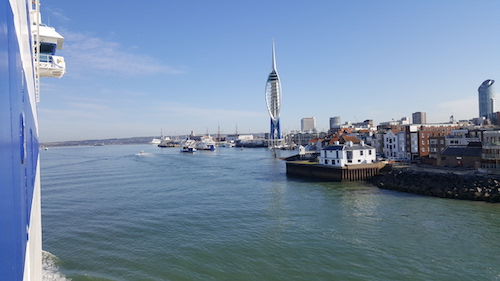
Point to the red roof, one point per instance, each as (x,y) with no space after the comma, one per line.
(315,140)
(343,139)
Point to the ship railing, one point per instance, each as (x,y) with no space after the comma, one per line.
(35,9)
(54,61)
(51,66)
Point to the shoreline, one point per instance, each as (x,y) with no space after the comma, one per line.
(442,183)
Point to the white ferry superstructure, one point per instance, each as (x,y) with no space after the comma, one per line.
(206,143)
(21,66)
(188,145)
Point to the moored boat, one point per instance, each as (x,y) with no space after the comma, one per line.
(206,143)
(155,141)
(188,145)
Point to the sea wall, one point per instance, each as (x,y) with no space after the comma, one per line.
(330,173)
(444,185)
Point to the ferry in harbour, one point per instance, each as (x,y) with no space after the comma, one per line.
(155,141)
(27,52)
(188,145)
(206,143)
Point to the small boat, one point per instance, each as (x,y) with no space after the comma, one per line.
(142,153)
(188,146)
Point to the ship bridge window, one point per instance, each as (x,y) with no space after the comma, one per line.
(47,48)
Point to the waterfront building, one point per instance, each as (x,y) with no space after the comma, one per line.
(419,118)
(486,95)
(468,156)
(491,150)
(308,124)
(457,138)
(461,138)
(418,137)
(436,145)
(273,102)
(394,145)
(349,153)
(378,142)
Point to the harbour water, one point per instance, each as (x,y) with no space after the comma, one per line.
(110,213)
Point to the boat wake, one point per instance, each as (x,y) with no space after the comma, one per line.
(142,153)
(50,268)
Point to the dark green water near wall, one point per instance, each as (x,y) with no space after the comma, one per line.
(109,214)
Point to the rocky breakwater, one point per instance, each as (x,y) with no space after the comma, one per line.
(444,185)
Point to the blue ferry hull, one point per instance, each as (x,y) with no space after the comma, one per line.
(20,222)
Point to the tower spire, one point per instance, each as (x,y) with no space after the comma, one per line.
(274,57)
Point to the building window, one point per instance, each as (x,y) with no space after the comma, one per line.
(361,152)
(370,152)
(349,161)
(326,161)
(349,154)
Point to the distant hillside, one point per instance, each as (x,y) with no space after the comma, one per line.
(135,140)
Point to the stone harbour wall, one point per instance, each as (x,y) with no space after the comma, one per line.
(359,172)
(444,185)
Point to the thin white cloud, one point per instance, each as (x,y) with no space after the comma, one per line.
(78,108)
(461,109)
(57,13)
(179,109)
(67,115)
(87,53)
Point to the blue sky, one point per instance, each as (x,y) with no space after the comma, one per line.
(136,67)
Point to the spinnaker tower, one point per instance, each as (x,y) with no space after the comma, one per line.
(273,102)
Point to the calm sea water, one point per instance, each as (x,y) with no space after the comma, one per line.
(232,214)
